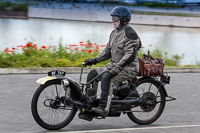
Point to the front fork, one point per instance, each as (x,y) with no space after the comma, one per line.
(67,89)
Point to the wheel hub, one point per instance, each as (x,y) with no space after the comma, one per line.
(55,104)
(149,103)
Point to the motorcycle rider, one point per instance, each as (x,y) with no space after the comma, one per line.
(121,50)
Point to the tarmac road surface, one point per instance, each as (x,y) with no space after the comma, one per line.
(182,115)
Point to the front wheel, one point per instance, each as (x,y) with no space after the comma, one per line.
(153,97)
(48,107)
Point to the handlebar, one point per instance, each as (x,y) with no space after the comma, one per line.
(82,67)
(84,64)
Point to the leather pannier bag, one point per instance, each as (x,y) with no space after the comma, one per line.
(150,66)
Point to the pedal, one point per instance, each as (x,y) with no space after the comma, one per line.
(85,116)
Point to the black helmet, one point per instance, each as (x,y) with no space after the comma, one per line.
(123,13)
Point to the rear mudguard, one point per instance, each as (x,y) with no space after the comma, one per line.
(155,81)
(76,89)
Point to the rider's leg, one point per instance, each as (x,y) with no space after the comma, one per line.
(91,92)
(115,83)
(91,75)
(105,85)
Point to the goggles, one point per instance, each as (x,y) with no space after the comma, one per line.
(115,18)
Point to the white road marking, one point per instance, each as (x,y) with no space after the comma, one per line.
(130,129)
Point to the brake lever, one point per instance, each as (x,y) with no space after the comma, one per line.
(85,65)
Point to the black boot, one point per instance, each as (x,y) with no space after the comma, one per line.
(100,110)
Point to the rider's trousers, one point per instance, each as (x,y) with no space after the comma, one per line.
(108,84)
(105,85)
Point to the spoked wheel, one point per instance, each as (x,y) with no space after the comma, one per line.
(48,106)
(153,97)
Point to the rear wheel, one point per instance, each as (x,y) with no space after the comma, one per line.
(153,97)
(48,107)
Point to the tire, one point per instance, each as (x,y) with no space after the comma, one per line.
(38,110)
(142,111)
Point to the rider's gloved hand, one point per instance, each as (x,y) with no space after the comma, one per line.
(90,61)
(114,72)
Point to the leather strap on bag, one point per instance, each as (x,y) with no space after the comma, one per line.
(150,66)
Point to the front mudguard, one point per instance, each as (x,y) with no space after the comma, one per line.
(156,81)
(75,87)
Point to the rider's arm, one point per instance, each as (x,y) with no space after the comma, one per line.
(132,44)
(106,53)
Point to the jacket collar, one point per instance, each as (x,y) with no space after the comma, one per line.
(122,27)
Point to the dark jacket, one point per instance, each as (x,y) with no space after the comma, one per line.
(122,50)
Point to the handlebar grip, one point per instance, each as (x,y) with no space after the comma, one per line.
(85,64)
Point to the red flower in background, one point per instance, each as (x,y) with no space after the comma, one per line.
(43,46)
(29,44)
(73,45)
(23,47)
(83,44)
(97,48)
(150,45)
(90,51)
(35,46)
(29,47)
(90,44)
(83,50)
(7,50)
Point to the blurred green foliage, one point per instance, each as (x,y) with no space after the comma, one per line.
(33,56)
(19,7)
(13,6)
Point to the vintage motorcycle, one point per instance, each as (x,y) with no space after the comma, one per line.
(58,98)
